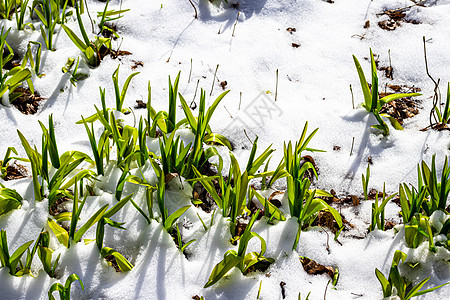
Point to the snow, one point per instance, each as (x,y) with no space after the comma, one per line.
(313,86)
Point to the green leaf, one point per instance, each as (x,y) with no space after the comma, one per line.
(430,289)
(118,206)
(174,216)
(364,85)
(229,261)
(385,285)
(56,287)
(392,97)
(9,200)
(270,209)
(394,122)
(218,139)
(79,43)
(94,219)
(60,233)
(122,262)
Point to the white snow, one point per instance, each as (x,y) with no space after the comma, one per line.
(313,86)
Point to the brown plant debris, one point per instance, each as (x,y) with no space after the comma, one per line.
(295,45)
(313,268)
(389,225)
(326,219)
(283,291)
(15,171)
(403,108)
(140,104)
(58,206)
(395,18)
(291,29)
(366,24)
(112,261)
(137,63)
(388,72)
(27,103)
(116,53)
(223,84)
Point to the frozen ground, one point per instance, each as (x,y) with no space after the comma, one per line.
(313,86)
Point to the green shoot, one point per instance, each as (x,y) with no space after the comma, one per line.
(395,282)
(20,15)
(91,50)
(372,102)
(74,235)
(64,290)
(240,259)
(14,260)
(378,211)
(109,15)
(45,254)
(365,182)
(5,162)
(302,202)
(9,199)
(120,95)
(7,8)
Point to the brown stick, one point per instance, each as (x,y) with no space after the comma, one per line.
(196,15)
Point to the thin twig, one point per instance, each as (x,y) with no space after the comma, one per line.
(276,88)
(325,293)
(214,79)
(169,56)
(235,23)
(436,85)
(351,150)
(328,238)
(228,112)
(248,137)
(190,73)
(196,15)
(240,100)
(89,15)
(389,54)
(353,98)
(195,94)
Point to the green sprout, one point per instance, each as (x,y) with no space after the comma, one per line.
(395,282)
(5,162)
(7,8)
(240,259)
(74,235)
(64,290)
(372,102)
(233,189)
(377,220)
(15,77)
(9,199)
(93,51)
(303,205)
(20,15)
(123,264)
(12,261)
(45,254)
(108,16)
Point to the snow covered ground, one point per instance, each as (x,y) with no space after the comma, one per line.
(250,44)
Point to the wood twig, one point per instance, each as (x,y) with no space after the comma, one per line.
(195,9)
(436,95)
(214,80)
(235,23)
(276,87)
